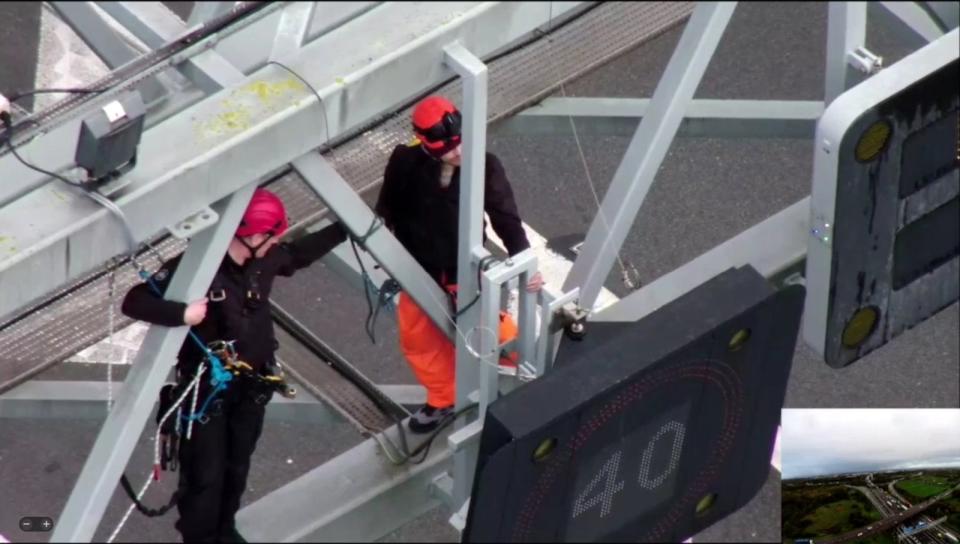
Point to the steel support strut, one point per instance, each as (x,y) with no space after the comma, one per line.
(104,41)
(358,218)
(119,434)
(474,75)
(915,18)
(846,31)
(647,149)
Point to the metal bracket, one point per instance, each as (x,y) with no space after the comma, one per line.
(442,488)
(794,279)
(195,223)
(465,436)
(567,315)
(546,343)
(862,59)
(459,519)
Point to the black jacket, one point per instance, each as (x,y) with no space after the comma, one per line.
(243,314)
(424,216)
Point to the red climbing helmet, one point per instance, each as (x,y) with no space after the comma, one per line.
(436,121)
(265,214)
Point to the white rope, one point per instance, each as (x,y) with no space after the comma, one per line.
(111,283)
(624,273)
(194,386)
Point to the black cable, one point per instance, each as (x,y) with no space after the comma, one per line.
(366,292)
(145,510)
(425,446)
(371,314)
(323,105)
(8,124)
(24,94)
(484,265)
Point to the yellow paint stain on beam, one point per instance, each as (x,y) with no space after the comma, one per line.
(7,245)
(257,98)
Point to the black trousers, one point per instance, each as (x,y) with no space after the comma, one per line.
(215,462)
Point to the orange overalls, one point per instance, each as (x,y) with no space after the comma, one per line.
(432,356)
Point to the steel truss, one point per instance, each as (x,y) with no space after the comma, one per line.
(255,118)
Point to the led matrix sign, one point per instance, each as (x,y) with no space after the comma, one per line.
(646,431)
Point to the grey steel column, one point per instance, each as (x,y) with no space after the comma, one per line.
(846,31)
(204,11)
(473,72)
(357,217)
(915,18)
(104,41)
(947,13)
(292,29)
(95,32)
(119,434)
(155,25)
(649,145)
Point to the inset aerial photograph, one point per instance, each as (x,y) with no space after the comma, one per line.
(871,475)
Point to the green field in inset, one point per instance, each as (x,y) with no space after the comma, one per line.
(835,518)
(922,488)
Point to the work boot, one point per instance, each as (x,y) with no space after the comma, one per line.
(427,418)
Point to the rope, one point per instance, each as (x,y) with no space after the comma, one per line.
(193,386)
(111,281)
(625,275)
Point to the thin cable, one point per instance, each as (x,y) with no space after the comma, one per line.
(323,109)
(576,139)
(24,94)
(111,281)
(323,105)
(7,122)
(193,385)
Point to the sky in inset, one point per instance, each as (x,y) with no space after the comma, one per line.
(837,441)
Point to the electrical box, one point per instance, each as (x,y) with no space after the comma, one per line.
(644,432)
(883,252)
(109,138)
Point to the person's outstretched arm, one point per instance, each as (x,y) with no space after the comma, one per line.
(142,303)
(308,249)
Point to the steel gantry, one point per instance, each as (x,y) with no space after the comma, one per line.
(252,111)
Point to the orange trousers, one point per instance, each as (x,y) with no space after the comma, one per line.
(432,356)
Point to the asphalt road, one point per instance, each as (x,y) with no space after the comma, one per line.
(706,192)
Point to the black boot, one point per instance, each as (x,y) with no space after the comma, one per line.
(428,418)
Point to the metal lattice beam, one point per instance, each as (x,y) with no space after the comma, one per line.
(118,436)
(647,149)
(846,31)
(242,133)
(706,118)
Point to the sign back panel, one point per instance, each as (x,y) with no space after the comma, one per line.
(884,246)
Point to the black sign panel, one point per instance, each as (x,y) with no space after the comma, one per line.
(648,431)
(896,242)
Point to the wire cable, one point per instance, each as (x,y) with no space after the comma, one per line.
(482,358)
(628,281)
(451,318)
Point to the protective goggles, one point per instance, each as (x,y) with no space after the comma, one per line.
(443,136)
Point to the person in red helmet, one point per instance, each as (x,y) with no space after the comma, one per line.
(215,461)
(419,203)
